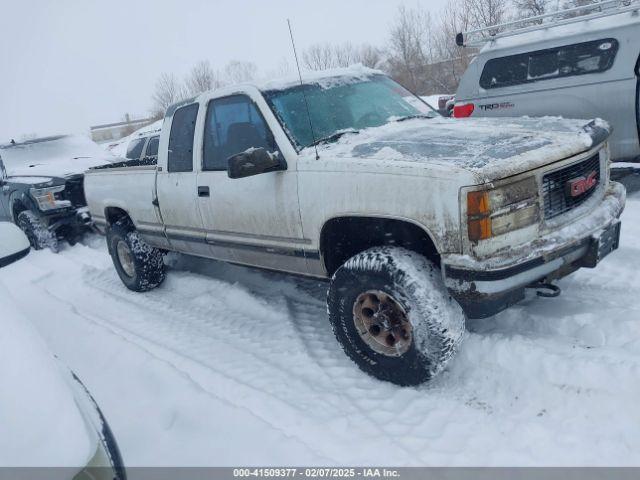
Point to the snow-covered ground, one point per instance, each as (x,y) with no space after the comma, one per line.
(223,365)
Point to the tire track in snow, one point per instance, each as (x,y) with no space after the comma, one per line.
(339,409)
(524,363)
(160,353)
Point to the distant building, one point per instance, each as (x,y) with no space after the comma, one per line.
(115,131)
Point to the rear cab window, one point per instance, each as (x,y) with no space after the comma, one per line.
(570,60)
(152,147)
(135,148)
(183,125)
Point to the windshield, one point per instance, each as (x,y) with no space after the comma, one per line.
(349,105)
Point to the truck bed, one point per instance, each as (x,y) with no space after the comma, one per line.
(127,186)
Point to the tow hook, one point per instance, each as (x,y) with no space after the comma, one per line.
(84,217)
(546,290)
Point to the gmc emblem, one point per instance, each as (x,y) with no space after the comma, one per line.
(580,185)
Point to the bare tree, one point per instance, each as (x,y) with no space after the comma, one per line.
(239,71)
(411,47)
(322,56)
(531,8)
(202,78)
(283,68)
(577,3)
(453,60)
(486,13)
(168,91)
(346,54)
(370,56)
(319,56)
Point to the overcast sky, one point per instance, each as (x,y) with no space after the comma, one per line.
(67,64)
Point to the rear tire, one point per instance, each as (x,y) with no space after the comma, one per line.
(139,265)
(393,316)
(39,235)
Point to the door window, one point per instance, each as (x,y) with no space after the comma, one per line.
(183,128)
(233,125)
(135,148)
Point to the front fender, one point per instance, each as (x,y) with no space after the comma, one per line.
(20,200)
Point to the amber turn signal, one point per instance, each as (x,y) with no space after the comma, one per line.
(478,211)
(478,203)
(479,229)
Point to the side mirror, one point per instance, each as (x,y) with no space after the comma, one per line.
(254,162)
(14,244)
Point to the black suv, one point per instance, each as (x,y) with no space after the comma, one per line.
(41,187)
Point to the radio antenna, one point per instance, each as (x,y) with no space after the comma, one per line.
(304,95)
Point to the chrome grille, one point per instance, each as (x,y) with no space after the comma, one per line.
(556,192)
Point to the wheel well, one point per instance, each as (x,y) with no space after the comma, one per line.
(17,208)
(113,214)
(344,237)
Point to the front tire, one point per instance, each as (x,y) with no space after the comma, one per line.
(393,316)
(139,265)
(40,237)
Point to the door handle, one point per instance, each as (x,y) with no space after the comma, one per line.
(203,191)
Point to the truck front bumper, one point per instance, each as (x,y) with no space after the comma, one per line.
(486,287)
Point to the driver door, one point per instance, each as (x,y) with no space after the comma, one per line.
(253,220)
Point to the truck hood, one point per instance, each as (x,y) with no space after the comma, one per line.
(60,167)
(36,181)
(61,156)
(490,149)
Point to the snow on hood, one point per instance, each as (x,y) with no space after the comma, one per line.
(56,156)
(40,422)
(488,148)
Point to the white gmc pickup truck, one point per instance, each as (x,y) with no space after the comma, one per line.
(418,221)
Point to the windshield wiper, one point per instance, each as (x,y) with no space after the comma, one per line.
(411,117)
(333,137)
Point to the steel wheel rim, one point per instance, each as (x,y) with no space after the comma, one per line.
(382,323)
(125,258)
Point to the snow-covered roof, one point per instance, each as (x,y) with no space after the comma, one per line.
(56,156)
(119,148)
(155,127)
(565,32)
(324,78)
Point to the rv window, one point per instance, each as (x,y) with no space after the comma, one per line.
(569,60)
(543,65)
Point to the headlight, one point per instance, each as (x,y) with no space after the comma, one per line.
(500,210)
(46,198)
